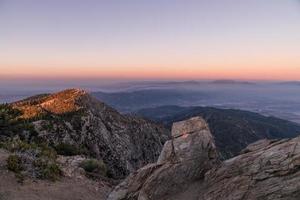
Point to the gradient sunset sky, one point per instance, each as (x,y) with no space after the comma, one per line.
(150,39)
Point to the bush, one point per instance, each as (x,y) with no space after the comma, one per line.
(47,170)
(14,163)
(67,149)
(47,152)
(17,145)
(45,164)
(40,160)
(94,166)
(51,172)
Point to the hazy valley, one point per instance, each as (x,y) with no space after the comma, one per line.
(270,99)
(279,99)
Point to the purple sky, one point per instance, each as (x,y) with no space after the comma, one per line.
(246,39)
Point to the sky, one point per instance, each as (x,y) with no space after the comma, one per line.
(150,39)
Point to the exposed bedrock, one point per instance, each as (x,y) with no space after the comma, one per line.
(185,158)
(188,168)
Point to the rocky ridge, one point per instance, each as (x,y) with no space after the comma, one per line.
(124,143)
(189,168)
(58,103)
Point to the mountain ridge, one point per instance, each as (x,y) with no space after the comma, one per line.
(74,117)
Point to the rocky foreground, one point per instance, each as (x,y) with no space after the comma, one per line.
(189,168)
(73,185)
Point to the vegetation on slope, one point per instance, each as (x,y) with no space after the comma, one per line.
(72,122)
(11,124)
(32,160)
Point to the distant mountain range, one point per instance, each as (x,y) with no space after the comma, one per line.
(270,99)
(295,83)
(233,129)
(135,100)
(232,82)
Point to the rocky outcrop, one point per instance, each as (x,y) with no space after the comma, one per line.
(267,170)
(70,166)
(124,143)
(185,158)
(189,168)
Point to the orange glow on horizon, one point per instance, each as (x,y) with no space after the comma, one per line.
(163,72)
(267,66)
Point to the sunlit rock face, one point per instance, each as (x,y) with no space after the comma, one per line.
(188,168)
(58,103)
(185,158)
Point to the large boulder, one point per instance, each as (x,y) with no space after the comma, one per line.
(267,169)
(185,158)
(188,168)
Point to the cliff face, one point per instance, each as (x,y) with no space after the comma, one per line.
(189,168)
(124,143)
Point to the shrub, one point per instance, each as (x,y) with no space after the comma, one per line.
(67,149)
(51,172)
(14,163)
(47,152)
(17,145)
(47,169)
(40,160)
(94,166)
